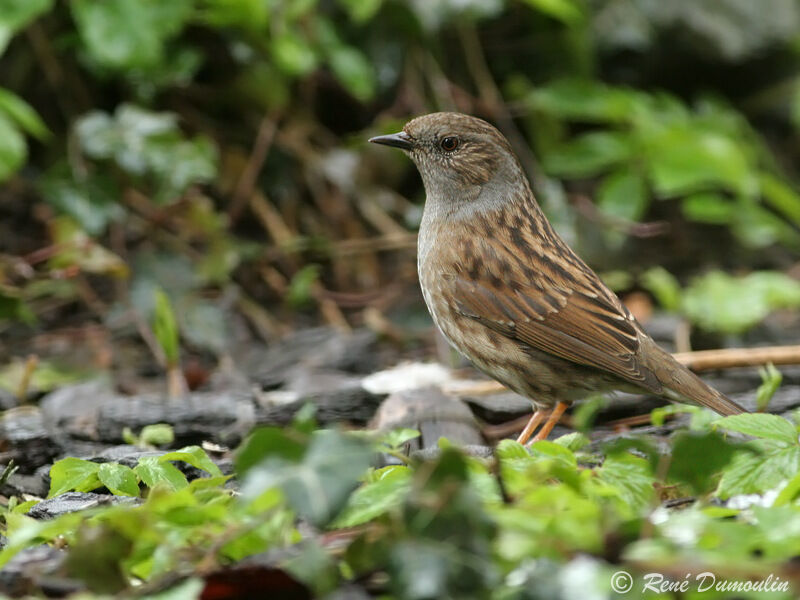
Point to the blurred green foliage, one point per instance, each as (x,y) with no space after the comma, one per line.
(166,138)
(523,521)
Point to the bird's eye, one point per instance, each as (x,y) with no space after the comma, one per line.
(449,143)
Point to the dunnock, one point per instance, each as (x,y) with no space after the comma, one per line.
(508,293)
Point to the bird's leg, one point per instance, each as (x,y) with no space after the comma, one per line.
(533,423)
(551,421)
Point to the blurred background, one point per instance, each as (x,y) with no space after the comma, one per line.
(198,169)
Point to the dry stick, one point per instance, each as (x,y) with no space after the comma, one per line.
(728,358)
(247,181)
(702,360)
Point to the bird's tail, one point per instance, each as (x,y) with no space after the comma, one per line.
(681,385)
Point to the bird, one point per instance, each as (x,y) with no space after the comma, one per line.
(509,294)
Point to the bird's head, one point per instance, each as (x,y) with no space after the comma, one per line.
(457,155)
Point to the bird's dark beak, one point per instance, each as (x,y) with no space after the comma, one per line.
(397,140)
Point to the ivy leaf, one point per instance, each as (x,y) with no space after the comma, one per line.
(386,490)
(73,474)
(761,425)
(318,486)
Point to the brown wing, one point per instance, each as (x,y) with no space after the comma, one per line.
(578,322)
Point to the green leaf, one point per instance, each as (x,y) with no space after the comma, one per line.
(708,207)
(572,441)
(780,196)
(361,11)
(92,201)
(385,491)
(128,34)
(754,472)
(153,471)
(686,158)
(269,442)
(720,302)
(397,438)
(292,54)
(761,425)
(16,14)
(664,286)
(158,434)
(771,380)
(631,477)
(300,292)
(317,487)
(583,100)
(73,474)
(165,327)
(589,154)
(13,150)
(195,456)
(567,11)
(22,114)
(119,479)
(354,71)
(715,451)
(623,195)
(150,146)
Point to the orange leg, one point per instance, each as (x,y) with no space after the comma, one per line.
(533,423)
(551,421)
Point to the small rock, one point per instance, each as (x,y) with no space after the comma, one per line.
(323,348)
(197,417)
(73,409)
(25,439)
(499,408)
(32,570)
(36,484)
(337,396)
(73,501)
(434,452)
(433,413)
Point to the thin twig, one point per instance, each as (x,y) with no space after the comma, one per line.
(247,181)
(728,358)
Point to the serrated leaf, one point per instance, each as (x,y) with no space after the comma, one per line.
(758,471)
(631,476)
(153,471)
(119,479)
(761,425)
